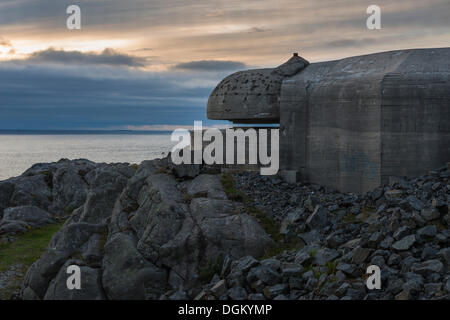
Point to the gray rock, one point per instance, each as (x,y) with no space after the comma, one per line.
(359,255)
(32,215)
(445,254)
(348,269)
(340,292)
(90,285)
(318,219)
(92,250)
(295,283)
(312,237)
(271,292)
(394,259)
(237,293)
(107,183)
(395,286)
(378,261)
(414,203)
(64,244)
(393,194)
(325,255)
(374,239)
(256,296)
(271,263)
(386,243)
(404,295)
(432,288)
(430,214)
(334,240)
(428,231)
(281,297)
(405,243)
(69,185)
(6,192)
(13,227)
(428,267)
(206,185)
(244,264)
(291,220)
(143,279)
(219,289)
(303,258)
(266,274)
(31,191)
(292,271)
(185,170)
(401,232)
(179,295)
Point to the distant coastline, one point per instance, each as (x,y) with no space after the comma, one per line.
(81,132)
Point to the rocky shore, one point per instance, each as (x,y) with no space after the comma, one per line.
(160,231)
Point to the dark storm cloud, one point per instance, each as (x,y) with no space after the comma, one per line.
(107,57)
(40,96)
(210,65)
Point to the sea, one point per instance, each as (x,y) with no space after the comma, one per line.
(19,150)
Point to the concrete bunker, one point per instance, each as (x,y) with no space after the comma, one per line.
(351,124)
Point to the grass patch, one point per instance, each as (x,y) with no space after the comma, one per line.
(365,214)
(230,189)
(331,267)
(134,166)
(271,226)
(48,178)
(214,266)
(349,218)
(316,272)
(46,173)
(27,248)
(313,253)
(188,198)
(165,170)
(68,210)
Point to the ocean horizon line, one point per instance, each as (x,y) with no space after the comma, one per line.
(79,131)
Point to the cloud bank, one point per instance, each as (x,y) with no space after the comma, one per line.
(211,66)
(106,57)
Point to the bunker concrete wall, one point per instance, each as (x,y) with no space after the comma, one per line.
(416,115)
(353,123)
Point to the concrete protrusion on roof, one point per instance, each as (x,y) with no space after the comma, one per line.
(293,66)
(252,96)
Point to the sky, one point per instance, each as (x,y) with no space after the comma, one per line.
(151,64)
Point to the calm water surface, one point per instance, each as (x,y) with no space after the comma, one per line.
(21,151)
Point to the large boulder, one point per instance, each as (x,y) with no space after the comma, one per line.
(127,274)
(67,243)
(91,288)
(106,186)
(31,191)
(6,192)
(206,185)
(137,235)
(32,215)
(70,187)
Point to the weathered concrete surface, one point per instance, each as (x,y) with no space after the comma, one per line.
(354,123)
(252,96)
